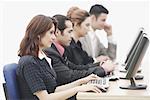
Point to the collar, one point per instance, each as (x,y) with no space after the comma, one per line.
(92,34)
(41,55)
(74,44)
(60,48)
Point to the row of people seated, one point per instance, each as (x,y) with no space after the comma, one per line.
(47,69)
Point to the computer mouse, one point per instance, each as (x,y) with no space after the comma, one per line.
(139,77)
(113,79)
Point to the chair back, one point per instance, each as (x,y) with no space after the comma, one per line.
(11,85)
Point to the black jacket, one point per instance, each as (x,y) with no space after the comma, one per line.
(67,71)
(76,54)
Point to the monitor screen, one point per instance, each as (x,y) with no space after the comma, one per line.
(137,57)
(133,48)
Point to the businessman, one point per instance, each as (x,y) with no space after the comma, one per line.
(67,71)
(91,43)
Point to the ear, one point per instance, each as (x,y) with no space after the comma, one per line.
(76,26)
(93,17)
(58,32)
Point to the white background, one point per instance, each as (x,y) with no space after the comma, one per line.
(126,16)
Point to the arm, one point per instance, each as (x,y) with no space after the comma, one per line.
(81,67)
(111,50)
(68,90)
(78,56)
(77,82)
(63,95)
(64,73)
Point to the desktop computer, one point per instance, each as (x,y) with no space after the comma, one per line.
(131,53)
(134,45)
(135,62)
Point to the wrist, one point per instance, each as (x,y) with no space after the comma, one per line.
(80,82)
(77,89)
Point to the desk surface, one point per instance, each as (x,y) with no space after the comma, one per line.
(115,93)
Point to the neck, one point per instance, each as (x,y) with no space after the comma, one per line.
(94,29)
(59,42)
(75,36)
(40,49)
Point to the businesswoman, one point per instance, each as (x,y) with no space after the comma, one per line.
(35,74)
(81,24)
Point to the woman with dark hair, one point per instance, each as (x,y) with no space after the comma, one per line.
(35,74)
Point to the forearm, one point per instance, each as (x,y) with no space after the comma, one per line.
(63,95)
(68,86)
(111,51)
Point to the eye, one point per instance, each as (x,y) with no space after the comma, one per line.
(87,24)
(104,20)
(70,31)
(51,32)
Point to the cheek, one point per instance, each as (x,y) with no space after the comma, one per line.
(86,29)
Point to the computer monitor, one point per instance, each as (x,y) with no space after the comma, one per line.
(137,39)
(135,63)
(132,51)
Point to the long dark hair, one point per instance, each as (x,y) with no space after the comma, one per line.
(38,26)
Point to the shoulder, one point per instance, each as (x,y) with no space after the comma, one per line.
(28,59)
(51,52)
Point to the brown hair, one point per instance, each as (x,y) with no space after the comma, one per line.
(38,26)
(77,15)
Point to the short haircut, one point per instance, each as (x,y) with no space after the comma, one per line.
(97,10)
(61,19)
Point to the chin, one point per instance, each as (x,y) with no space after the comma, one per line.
(100,28)
(68,44)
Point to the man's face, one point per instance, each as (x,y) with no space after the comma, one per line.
(99,22)
(65,37)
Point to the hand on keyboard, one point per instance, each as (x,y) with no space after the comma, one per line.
(101,82)
(89,78)
(88,87)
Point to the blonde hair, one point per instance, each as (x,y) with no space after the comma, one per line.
(77,15)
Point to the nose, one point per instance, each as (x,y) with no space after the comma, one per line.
(90,28)
(53,37)
(71,35)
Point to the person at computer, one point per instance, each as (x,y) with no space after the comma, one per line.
(81,25)
(35,74)
(91,42)
(67,71)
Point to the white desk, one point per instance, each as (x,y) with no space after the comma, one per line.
(115,93)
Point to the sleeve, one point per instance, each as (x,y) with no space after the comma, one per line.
(33,77)
(70,55)
(98,71)
(81,67)
(110,51)
(64,73)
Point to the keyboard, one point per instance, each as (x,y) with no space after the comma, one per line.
(102,82)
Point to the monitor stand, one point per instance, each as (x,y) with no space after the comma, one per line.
(137,77)
(123,70)
(134,86)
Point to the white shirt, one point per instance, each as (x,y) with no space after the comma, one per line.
(42,55)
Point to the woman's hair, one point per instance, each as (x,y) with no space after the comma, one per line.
(77,15)
(38,26)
